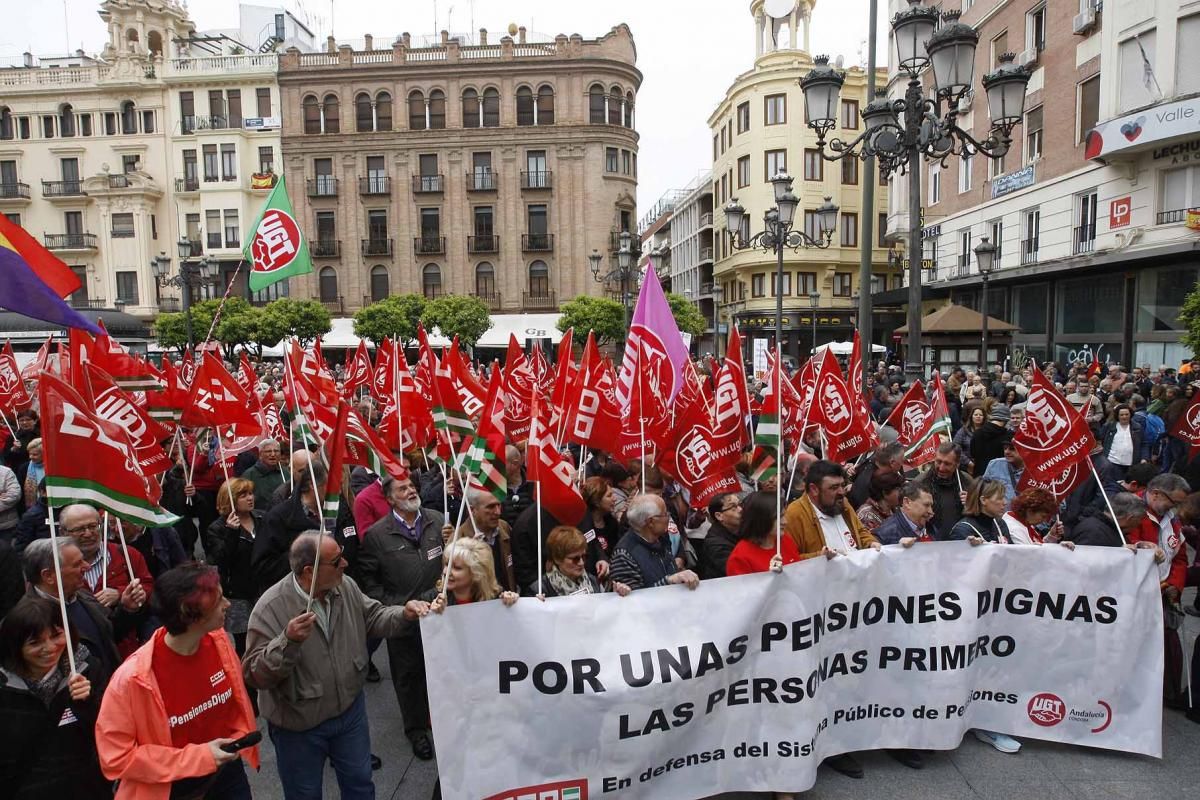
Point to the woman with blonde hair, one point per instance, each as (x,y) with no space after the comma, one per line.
(230,547)
(983,514)
(470,579)
(566,551)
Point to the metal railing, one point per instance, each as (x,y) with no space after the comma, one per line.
(63,188)
(429,245)
(481,181)
(963,268)
(1165,217)
(86,302)
(169,304)
(322,186)
(1085,239)
(187,185)
(14,191)
(69,241)
(425,184)
(376,247)
(430,292)
(333,304)
(326,248)
(121,233)
(537,242)
(706,219)
(375,185)
(706,254)
(1029,251)
(483,244)
(196,248)
(543,179)
(491,298)
(543,299)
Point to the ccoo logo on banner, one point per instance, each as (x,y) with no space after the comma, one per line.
(747,683)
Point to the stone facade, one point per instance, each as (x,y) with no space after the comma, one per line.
(439,170)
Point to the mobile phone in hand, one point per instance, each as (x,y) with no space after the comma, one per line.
(249,740)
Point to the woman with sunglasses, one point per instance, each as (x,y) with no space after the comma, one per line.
(566,550)
(983,515)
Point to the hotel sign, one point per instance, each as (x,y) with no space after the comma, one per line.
(1006,184)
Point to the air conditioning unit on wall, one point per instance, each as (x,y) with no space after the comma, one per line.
(1084,22)
(1028,57)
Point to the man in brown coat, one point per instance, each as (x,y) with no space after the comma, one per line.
(486,524)
(822,521)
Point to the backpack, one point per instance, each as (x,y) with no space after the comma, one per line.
(1153,429)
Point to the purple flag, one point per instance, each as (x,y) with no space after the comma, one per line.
(24,292)
(653,339)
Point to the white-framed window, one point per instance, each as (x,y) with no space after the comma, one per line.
(964,251)
(1033,134)
(1138,81)
(1180,191)
(1031,230)
(1187,55)
(935,184)
(964,172)
(996,166)
(1035,28)
(996,238)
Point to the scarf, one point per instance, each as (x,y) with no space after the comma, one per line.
(46,687)
(564,585)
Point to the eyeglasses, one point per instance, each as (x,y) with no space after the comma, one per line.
(575,559)
(91,526)
(733,505)
(336,560)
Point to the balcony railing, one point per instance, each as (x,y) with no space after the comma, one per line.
(322,186)
(425,184)
(963,268)
(14,191)
(333,305)
(481,181)
(491,298)
(483,244)
(432,292)
(70,241)
(169,304)
(429,245)
(706,254)
(63,188)
(376,247)
(544,299)
(196,248)
(118,181)
(1029,251)
(375,185)
(542,179)
(537,242)
(1167,217)
(191,124)
(327,248)
(706,219)
(1085,239)
(187,185)
(86,302)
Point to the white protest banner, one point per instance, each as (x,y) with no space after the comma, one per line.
(747,683)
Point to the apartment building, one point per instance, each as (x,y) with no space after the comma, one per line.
(758,130)
(488,169)
(691,263)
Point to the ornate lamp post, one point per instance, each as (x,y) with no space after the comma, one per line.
(985,258)
(625,273)
(901,133)
(191,273)
(814,299)
(778,235)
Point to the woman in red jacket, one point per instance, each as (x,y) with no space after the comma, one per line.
(755,552)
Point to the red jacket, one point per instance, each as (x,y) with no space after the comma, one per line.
(370,506)
(1148,531)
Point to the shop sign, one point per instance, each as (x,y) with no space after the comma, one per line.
(1006,184)
(1142,129)
(1179,153)
(1119,212)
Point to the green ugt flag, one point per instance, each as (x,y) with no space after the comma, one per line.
(278,249)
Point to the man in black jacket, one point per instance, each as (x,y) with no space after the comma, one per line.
(886,458)
(948,486)
(1087,499)
(988,441)
(520,492)
(725,511)
(1100,530)
(642,558)
(299,513)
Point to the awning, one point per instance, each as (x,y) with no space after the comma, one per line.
(845,348)
(523,326)
(958,319)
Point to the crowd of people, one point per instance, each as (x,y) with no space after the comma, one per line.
(249,607)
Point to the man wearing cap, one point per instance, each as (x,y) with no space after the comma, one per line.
(988,441)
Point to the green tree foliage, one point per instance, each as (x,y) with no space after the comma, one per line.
(687,316)
(395,316)
(238,325)
(287,317)
(468,318)
(604,317)
(1189,318)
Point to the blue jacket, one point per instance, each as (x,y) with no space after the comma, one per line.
(639,564)
(998,470)
(897,527)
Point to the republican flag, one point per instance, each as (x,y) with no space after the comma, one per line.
(1054,440)
(215,399)
(653,340)
(12,388)
(1095,368)
(34,284)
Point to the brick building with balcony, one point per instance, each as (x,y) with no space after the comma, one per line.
(489,169)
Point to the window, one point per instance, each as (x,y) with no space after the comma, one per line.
(1031,227)
(1187,55)
(775,109)
(716,148)
(85,124)
(524,106)
(416,111)
(964,252)
(850,115)
(266,160)
(812,224)
(128,117)
(1085,229)
(485,281)
(1089,103)
(233,236)
(6,123)
(327,279)
(491,108)
(330,109)
(122,226)
(147,122)
(73,222)
(787,283)
(537,176)
(996,238)
(484,222)
(431,223)
(850,170)
(1035,28)
(312,114)
(383,111)
(127,288)
(66,120)
(935,184)
(539,279)
(48,126)
(596,105)
(129,163)
(234,103)
(431,281)
(211,170)
(724,139)
(544,111)
(758,285)
(437,109)
(110,124)
(326,231)
(364,114)
(806,283)
(878,283)
(379,283)
(881,230)
(611,163)
(1138,86)
(1180,191)
(743,171)
(228,162)
(614,106)
(431,181)
(626,163)
(743,117)
(999,47)
(849,229)
(842,284)
(187,112)
(964,173)
(472,116)
(814,165)
(1033,135)
(997,166)
(326,184)
(216,109)
(377,228)
(262,98)
(481,166)
(537,225)
(192,227)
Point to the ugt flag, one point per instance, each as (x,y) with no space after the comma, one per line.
(653,340)
(277,250)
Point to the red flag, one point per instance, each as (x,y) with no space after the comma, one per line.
(366,448)
(358,371)
(858,392)
(319,379)
(845,431)
(910,415)
(40,362)
(1187,427)
(564,371)
(306,398)
(1053,440)
(187,370)
(216,399)
(246,377)
(686,450)
(61,279)
(130,372)
(518,391)
(470,391)
(167,404)
(549,470)
(593,417)
(1095,367)
(12,388)
(382,377)
(109,402)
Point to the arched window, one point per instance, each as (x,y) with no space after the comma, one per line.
(379,283)
(383,111)
(431,281)
(364,119)
(545,105)
(485,280)
(491,108)
(614,105)
(470,109)
(329,287)
(437,110)
(128,117)
(596,114)
(312,114)
(66,120)
(629,109)
(131,36)
(416,111)
(154,43)
(329,110)
(524,106)
(6,123)
(539,279)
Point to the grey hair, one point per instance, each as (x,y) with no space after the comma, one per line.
(1127,505)
(73,509)
(641,508)
(947,447)
(38,556)
(304,550)
(269,441)
(476,497)
(1168,482)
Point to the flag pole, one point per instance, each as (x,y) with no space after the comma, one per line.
(104,555)
(62,601)
(541,565)
(642,429)
(781,465)
(124,550)
(320,506)
(224,469)
(1107,502)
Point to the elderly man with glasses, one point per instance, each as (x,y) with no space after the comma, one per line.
(643,558)
(267,474)
(106,574)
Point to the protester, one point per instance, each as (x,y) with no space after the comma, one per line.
(882,500)
(230,545)
(47,739)
(16,451)
(886,458)
(962,437)
(31,474)
(1105,530)
(983,513)
(643,557)
(370,503)
(599,524)
(10,503)
(470,577)
(1121,438)
(948,484)
(520,492)
(310,667)
(179,699)
(266,474)
(486,525)
(623,483)
(911,521)
(283,523)
(1088,498)
(725,513)
(159,547)
(758,539)
(1031,508)
(1007,470)
(566,550)
(33,523)
(988,442)
(822,521)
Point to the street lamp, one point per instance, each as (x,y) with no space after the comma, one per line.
(625,273)
(985,258)
(778,235)
(191,273)
(814,299)
(901,133)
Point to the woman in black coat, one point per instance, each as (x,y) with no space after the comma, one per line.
(47,739)
(983,514)
(229,543)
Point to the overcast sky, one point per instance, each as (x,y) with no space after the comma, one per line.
(689,51)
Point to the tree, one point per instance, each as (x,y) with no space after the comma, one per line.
(468,318)
(687,316)
(238,325)
(171,329)
(286,317)
(396,316)
(1189,318)
(604,317)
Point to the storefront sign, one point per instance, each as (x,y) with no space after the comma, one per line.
(1142,129)
(1119,211)
(1006,184)
(1179,153)
(260,123)
(932,232)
